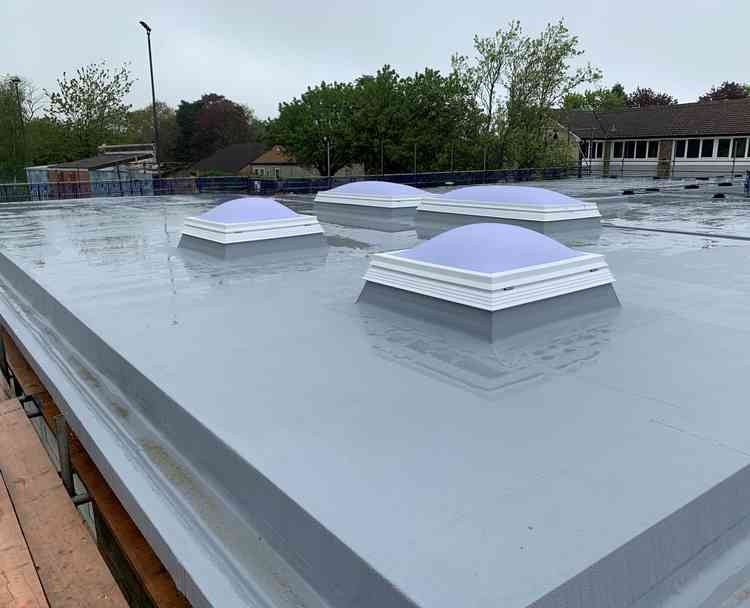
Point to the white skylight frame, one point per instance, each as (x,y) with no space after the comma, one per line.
(510,211)
(490,291)
(370,200)
(245,232)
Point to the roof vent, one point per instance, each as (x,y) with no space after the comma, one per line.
(471,274)
(384,195)
(250,224)
(511,203)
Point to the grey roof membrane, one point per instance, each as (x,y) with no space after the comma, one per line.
(459,472)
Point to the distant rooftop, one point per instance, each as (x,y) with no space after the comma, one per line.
(713,118)
(103,161)
(231,159)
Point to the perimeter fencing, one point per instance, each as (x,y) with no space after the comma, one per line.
(152,185)
(149,186)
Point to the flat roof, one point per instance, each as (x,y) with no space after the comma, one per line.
(385,460)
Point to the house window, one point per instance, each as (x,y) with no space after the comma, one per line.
(640,149)
(653,149)
(707,148)
(617,153)
(629,149)
(693,148)
(277,172)
(679,149)
(739,147)
(599,149)
(723,148)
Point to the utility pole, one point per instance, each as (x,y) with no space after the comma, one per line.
(382,170)
(328,158)
(415,163)
(153,92)
(16,83)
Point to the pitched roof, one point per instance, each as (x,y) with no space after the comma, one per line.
(275,156)
(101,161)
(231,159)
(727,117)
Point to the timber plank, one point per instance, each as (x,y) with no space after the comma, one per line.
(71,570)
(148,569)
(19,583)
(22,371)
(156,581)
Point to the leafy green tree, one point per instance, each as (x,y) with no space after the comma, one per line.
(140,129)
(318,122)
(19,108)
(517,80)
(601,99)
(378,119)
(90,106)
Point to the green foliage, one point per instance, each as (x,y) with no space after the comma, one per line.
(378,120)
(321,119)
(517,80)
(601,99)
(210,123)
(89,107)
(140,129)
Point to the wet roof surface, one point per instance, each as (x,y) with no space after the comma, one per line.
(467,473)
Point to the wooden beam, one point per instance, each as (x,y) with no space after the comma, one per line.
(70,568)
(25,376)
(19,583)
(149,572)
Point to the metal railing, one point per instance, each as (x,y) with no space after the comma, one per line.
(150,186)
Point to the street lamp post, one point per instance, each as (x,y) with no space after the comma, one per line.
(153,92)
(16,81)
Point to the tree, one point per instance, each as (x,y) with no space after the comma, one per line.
(726,90)
(318,122)
(211,123)
(19,108)
(526,77)
(601,99)
(140,129)
(484,73)
(643,97)
(90,106)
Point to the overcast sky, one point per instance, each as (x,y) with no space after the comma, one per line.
(261,53)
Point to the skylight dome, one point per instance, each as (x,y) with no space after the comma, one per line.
(489,248)
(385,195)
(245,220)
(524,203)
(490,267)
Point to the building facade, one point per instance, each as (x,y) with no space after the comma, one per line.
(685,140)
(276,163)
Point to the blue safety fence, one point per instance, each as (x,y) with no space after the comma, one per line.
(148,186)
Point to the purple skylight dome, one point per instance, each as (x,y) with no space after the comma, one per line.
(490,248)
(520,195)
(378,189)
(248,209)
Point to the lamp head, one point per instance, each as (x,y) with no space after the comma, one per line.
(145,26)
